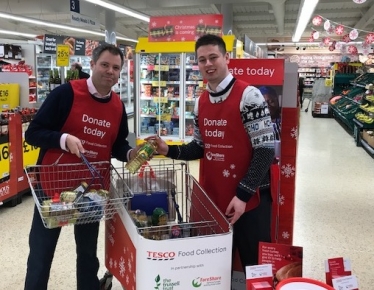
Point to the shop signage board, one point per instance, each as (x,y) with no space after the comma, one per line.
(77,46)
(74,6)
(83,20)
(186,28)
(258,71)
(314,60)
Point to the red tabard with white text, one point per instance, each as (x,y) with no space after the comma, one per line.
(227,151)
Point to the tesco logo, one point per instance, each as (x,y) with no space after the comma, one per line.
(160,256)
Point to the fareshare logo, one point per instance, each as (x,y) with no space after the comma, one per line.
(206,281)
(196,283)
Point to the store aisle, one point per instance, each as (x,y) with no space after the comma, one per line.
(334,213)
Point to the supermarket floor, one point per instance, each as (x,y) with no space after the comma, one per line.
(334,213)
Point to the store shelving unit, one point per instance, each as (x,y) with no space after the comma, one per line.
(44,64)
(310,74)
(167,84)
(125,86)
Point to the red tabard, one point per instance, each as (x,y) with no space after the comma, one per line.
(228,150)
(95,124)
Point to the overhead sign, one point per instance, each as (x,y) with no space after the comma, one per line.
(62,55)
(186,28)
(74,6)
(77,46)
(82,20)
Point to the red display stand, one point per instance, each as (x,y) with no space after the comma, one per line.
(12,189)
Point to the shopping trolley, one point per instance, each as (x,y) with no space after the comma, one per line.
(192,249)
(77,193)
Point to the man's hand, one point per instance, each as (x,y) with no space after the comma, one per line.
(162,147)
(74,145)
(235,209)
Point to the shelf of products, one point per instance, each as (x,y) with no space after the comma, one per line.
(310,74)
(44,65)
(125,86)
(32,89)
(169,84)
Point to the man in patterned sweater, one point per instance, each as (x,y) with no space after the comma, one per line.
(234,140)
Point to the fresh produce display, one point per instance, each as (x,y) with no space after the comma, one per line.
(364,118)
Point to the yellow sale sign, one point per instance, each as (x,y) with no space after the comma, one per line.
(30,154)
(62,55)
(4,160)
(9,96)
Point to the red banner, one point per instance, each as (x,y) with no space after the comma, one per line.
(184,28)
(258,71)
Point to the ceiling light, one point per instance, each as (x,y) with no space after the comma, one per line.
(120,9)
(305,13)
(55,25)
(16,33)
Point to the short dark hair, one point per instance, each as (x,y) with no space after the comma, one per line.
(78,66)
(106,47)
(210,39)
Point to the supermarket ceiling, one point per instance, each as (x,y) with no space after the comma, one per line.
(260,20)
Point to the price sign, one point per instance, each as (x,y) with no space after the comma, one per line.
(160,100)
(30,154)
(62,55)
(4,160)
(162,67)
(163,117)
(9,96)
(159,84)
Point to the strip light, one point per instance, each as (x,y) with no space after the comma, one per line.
(55,25)
(16,33)
(120,9)
(307,10)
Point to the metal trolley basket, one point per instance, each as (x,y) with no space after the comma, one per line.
(77,193)
(193,247)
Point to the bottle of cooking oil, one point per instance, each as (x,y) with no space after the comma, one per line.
(142,156)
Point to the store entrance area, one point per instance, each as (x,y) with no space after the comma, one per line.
(333,212)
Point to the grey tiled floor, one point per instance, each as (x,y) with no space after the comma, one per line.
(333,213)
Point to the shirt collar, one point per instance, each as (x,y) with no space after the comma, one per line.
(93,91)
(222,85)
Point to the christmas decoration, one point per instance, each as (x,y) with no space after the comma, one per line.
(369,38)
(317,20)
(327,25)
(311,39)
(359,1)
(346,38)
(339,30)
(352,49)
(326,40)
(338,45)
(315,34)
(353,34)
